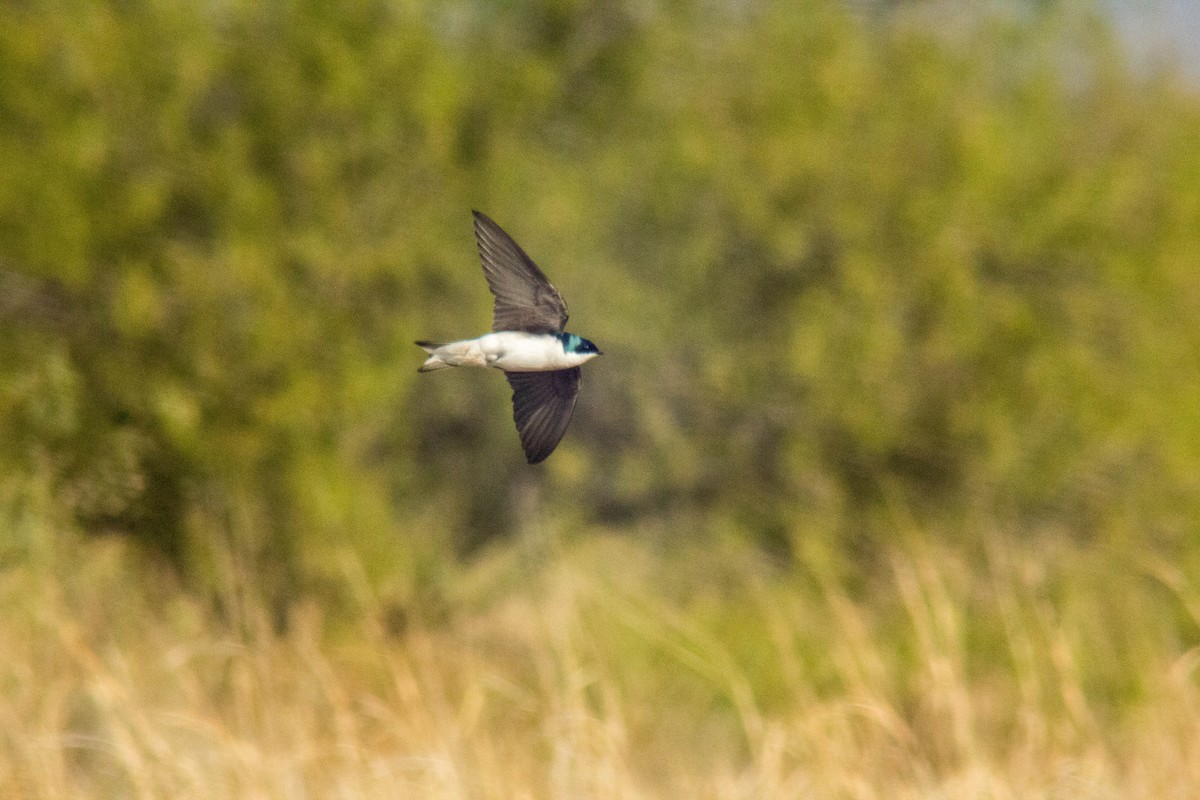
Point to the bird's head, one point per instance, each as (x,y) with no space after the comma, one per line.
(579,346)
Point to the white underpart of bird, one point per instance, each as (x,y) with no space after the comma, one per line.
(511,351)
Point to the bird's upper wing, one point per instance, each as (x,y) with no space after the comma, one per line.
(525,300)
(542,406)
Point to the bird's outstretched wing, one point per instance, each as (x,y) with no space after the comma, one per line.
(542,406)
(525,300)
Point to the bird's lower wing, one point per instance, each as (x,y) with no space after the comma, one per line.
(542,406)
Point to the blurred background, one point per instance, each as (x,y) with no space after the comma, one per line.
(867,275)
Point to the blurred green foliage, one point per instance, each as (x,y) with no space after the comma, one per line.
(845,266)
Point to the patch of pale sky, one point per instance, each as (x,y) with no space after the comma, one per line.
(1160,32)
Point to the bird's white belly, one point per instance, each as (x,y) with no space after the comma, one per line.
(513,351)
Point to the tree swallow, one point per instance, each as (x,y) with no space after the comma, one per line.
(540,360)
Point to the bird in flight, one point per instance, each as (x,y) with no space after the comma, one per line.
(527,342)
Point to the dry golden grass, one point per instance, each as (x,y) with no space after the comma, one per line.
(604,669)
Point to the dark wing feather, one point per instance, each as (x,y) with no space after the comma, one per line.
(525,300)
(542,406)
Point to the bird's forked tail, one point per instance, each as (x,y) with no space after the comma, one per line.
(434,361)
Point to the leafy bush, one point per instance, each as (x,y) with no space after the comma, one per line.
(845,267)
